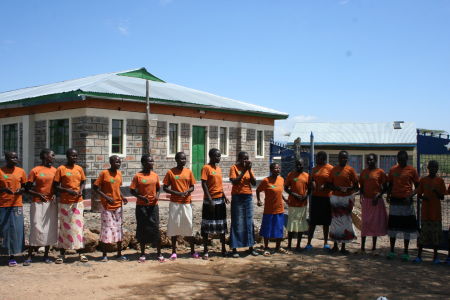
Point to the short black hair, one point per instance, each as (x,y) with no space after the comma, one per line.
(272,165)
(342,152)
(70,150)
(241,154)
(374,156)
(112,157)
(178,154)
(144,157)
(322,153)
(44,152)
(212,151)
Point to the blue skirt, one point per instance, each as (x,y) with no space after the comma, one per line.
(272,226)
(242,233)
(12,239)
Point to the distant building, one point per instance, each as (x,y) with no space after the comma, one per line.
(359,139)
(105,114)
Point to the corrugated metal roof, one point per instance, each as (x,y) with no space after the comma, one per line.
(113,83)
(350,133)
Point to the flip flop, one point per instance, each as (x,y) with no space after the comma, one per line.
(161,259)
(417,260)
(173,257)
(27,263)
(59,260)
(142,259)
(205,256)
(309,247)
(195,255)
(405,257)
(437,261)
(266,253)
(12,263)
(391,255)
(83,259)
(47,260)
(235,255)
(254,253)
(281,251)
(104,259)
(122,258)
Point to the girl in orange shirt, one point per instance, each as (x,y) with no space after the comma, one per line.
(179,183)
(374,217)
(214,211)
(273,218)
(242,230)
(69,182)
(108,186)
(431,190)
(296,186)
(343,181)
(43,209)
(12,182)
(145,187)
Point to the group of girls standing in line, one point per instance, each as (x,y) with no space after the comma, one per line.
(332,192)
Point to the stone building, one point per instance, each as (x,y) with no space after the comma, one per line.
(105,114)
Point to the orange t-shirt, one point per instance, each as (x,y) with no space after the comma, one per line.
(402,181)
(110,185)
(147,186)
(12,179)
(343,177)
(320,176)
(70,178)
(372,181)
(42,177)
(180,181)
(298,183)
(213,177)
(243,187)
(431,208)
(273,190)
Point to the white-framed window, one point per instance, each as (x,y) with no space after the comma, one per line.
(10,138)
(117,133)
(259,143)
(223,141)
(173,139)
(59,135)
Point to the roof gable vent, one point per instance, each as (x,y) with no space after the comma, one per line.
(398,124)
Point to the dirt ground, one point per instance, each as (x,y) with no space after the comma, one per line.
(304,275)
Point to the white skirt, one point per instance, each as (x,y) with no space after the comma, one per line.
(180,220)
(43,223)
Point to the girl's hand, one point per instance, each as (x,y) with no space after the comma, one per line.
(42,197)
(109,200)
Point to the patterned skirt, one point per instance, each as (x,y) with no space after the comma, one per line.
(111,229)
(431,233)
(71,225)
(402,221)
(12,240)
(214,217)
(147,224)
(341,228)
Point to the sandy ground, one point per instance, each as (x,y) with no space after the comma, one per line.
(305,275)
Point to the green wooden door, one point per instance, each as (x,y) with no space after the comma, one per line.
(198,150)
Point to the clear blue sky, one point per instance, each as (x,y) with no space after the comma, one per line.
(342,60)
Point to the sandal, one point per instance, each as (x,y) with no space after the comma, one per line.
(235,255)
(205,256)
(59,260)
(122,258)
(345,252)
(47,260)
(142,259)
(436,261)
(391,255)
(195,255)
(266,253)
(161,259)
(254,253)
(27,263)
(83,259)
(417,260)
(173,257)
(12,263)
(405,257)
(281,250)
(104,259)
(309,247)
